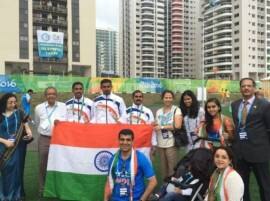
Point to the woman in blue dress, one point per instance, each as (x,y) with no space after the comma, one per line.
(12,148)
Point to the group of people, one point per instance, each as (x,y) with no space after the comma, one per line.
(247,134)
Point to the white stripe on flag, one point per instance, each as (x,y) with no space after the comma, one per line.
(90,161)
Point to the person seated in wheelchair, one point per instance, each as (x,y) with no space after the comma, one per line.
(217,129)
(190,179)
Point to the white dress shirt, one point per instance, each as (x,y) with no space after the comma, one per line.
(46,114)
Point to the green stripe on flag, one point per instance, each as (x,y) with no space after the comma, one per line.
(70,186)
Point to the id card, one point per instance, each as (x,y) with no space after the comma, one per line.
(45,125)
(123,191)
(12,138)
(165,134)
(243,134)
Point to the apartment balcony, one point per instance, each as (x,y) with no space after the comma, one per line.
(216,64)
(218,40)
(177,49)
(177,3)
(177,19)
(177,38)
(49,21)
(176,27)
(147,31)
(147,54)
(147,36)
(147,3)
(177,9)
(147,69)
(147,48)
(218,47)
(145,20)
(151,25)
(218,9)
(147,14)
(228,55)
(50,9)
(177,34)
(219,73)
(223,15)
(177,14)
(147,7)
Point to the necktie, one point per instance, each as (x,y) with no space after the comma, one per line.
(244,113)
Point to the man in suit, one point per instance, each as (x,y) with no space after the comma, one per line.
(252,139)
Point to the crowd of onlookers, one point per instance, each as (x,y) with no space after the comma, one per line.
(238,145)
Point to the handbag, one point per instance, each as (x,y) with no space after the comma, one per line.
(180,135)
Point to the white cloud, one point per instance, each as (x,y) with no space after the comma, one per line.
(107,14)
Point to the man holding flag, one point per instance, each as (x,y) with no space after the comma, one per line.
(127,171)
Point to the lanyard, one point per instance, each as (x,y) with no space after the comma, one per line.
(79,110)
(16,123)
(139,116)
(49,115)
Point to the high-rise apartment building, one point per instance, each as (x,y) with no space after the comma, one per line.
(217,34)
(141,38)
(158,38)
(174,38)
(106,52)
(192,39)
(236,38)
(249,38)
(20,21)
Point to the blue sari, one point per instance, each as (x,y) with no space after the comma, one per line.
(11,173)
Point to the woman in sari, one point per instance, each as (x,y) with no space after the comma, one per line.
(12,148)
(218,129)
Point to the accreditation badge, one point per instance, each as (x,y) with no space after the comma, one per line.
(243,134)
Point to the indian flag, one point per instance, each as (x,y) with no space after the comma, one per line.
(79,156)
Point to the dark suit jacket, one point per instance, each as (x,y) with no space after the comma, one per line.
(257,148)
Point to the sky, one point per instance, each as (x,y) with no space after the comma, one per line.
(107,14)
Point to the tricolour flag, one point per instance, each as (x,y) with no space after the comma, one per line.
(79,156)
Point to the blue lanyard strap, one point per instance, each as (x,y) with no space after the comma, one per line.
(16,123)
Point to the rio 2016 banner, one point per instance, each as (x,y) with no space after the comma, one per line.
(20,83)
(50,44)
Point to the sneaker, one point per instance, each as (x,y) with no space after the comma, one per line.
(153,197)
